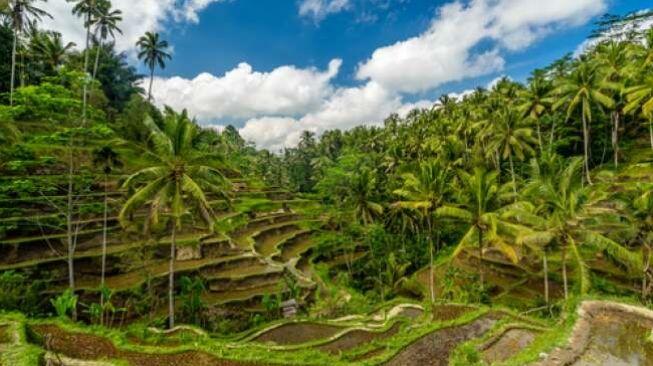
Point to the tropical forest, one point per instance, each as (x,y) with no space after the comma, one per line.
(511,224)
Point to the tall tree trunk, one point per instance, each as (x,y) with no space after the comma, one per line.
(539,133)
(97,59)
(564,271)
(171,276)
(480,258)
(104,251)
(545,269)
(85,89)
(647,265)
(553,129)
(615,137)
(149,93)
(431,271)
(514,179)
(586,142)
(650,130)
(13,67)
(70,243)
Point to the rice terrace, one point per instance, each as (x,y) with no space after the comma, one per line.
(326,182)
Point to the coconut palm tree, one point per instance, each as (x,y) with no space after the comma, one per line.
(510,136)
(583,89)
(106,159)
(175,184)
(640,98)
(562,216)
(105,21)
(85,9)
(480,210)
(535,101)
(153,51)
(360,197)
(611,58)
(424,193)
(20,13)
(49,48)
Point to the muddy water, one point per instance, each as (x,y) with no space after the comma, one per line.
(619,341)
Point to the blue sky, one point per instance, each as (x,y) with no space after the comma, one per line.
(267,34)
(276,67)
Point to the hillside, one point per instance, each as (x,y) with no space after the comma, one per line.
(507,225)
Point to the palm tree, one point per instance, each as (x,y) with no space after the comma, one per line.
(480,211)
(510,136)
(360,197)
(535,101)
(85,9)
(583,89)
(106,25)
(153,52)
(106,159)
(611,58)
(176,181)
(424,193)
(19,14)
(562,216)
(640,98)
(49,47)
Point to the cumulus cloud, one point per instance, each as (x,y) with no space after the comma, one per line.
(244,93)
(319,9)
(345,108)
(139,17)
(446,51)
(465,39)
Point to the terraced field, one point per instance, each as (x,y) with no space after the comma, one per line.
(397,334)
(253,257)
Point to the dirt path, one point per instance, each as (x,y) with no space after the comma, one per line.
(435,348)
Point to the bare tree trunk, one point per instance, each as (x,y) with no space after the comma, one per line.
(431,271)
(13,67)
(97,59)
(564,271)
(514,179)
(539,134)
(647,265)
(149,93)
(553,128)
(615,137)
(586,142)
(104,251)
(545,268)
(171,276)
(69,225)
(480,258)
(85,91)
(650,130)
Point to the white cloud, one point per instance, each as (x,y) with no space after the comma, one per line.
(319,9)
(369,104)
(244,93)
(409,107)
(139,16)
(445,52)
